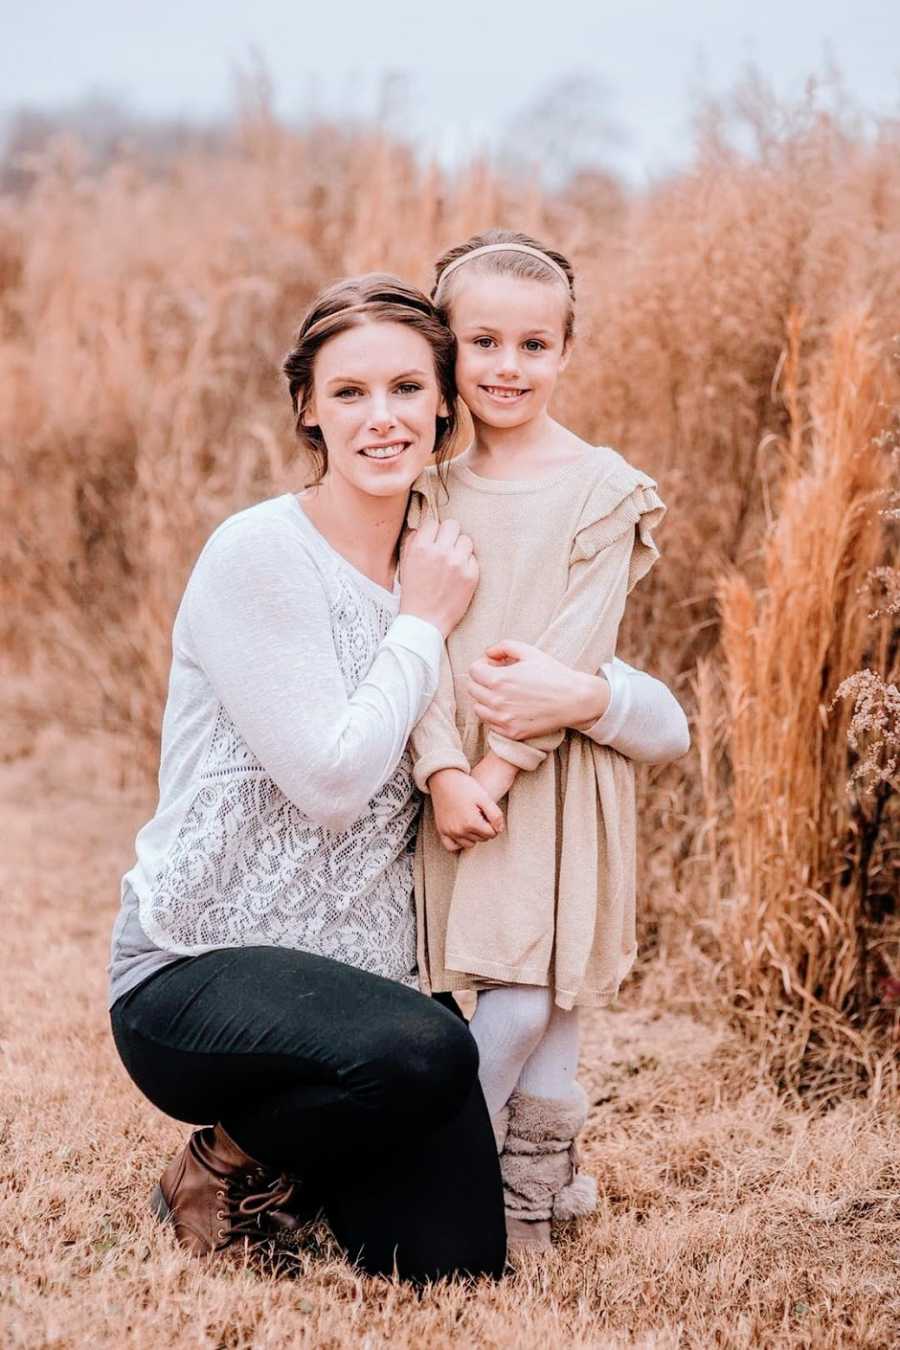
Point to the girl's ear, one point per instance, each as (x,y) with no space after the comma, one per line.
(308,414)
(443,410)
(566,353)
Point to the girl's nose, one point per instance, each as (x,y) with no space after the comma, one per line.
(508,364)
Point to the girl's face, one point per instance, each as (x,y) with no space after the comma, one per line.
(375,398)
(510,333)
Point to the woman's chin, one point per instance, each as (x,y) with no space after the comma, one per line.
(391,479)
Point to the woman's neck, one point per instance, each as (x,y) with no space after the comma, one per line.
(363,529)
(525,451)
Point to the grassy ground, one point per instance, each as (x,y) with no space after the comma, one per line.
(729,1217)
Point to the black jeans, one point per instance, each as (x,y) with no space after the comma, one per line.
(368,1088)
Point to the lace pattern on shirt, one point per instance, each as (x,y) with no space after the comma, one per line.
(248,867)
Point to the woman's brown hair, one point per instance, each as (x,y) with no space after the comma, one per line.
(376,297)
(503,262)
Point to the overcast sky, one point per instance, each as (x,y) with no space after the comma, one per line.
(468,66)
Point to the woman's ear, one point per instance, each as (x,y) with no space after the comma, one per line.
(566,353)
(307,417)
(443,410)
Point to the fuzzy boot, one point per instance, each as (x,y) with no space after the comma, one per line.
(539,1165)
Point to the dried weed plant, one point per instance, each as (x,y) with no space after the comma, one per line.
(814,865)
(144,309)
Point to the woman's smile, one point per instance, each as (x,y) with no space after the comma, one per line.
(389,450)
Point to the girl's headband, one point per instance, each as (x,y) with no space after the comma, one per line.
(506,248)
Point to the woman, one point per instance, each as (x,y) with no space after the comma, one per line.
(263,970)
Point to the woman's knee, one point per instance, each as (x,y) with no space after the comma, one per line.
(424,1064)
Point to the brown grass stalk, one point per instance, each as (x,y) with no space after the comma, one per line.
(795,933)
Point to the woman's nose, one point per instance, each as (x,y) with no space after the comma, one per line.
(381,413)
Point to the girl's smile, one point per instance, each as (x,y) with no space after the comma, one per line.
(505,393)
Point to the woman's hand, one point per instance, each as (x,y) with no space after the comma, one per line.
(438,573)
(464,812)
(520,691)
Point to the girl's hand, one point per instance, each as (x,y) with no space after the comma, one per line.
(520,691)
(464,813)
(495,775)
(438,573)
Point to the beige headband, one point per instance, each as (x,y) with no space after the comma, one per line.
(506,248)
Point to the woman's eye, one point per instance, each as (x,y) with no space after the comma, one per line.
(484,342)
(409,388)
(533,345)
(346,394)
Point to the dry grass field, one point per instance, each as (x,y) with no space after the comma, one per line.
(736,337)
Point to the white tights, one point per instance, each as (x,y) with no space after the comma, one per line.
(524,1041)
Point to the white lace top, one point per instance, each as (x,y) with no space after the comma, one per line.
(287,810)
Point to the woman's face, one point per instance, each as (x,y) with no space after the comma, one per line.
(375,399)
(510,333)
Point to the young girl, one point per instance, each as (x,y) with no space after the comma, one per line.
(537,914)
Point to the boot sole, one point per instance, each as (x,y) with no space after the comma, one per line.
(159,1205)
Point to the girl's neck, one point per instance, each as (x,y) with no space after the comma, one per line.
(525,451)
(363,529)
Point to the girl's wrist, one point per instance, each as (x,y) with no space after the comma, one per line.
(592,696)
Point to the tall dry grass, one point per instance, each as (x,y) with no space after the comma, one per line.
(143,314)
(806,910)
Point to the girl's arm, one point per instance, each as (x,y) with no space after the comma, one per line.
(520,691)
(261,625)
(581,635)
(610,552)
(435,741)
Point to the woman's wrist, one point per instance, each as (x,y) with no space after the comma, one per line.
(591,696)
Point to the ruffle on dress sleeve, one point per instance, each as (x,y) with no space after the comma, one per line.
(422,499)
(626,500)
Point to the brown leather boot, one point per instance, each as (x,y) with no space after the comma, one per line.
(214,1194)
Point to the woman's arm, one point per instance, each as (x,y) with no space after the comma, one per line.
(644,720)
(521,691)
(260,620)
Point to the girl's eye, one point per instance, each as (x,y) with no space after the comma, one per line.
(484,342)
(346,394)
(409,388)
(533,345)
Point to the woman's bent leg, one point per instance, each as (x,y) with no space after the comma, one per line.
(297,1055)
(433,1208)
(321,1069)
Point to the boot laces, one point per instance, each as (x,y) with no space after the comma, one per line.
(249,1203)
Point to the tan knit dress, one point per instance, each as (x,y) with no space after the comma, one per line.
(551,900)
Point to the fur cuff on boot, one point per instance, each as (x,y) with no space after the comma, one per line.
(545,1124)
(540,1179)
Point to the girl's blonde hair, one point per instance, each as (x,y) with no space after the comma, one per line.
(503,262)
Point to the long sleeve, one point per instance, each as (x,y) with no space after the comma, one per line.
(644,720)
(435,740)
(260,621)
